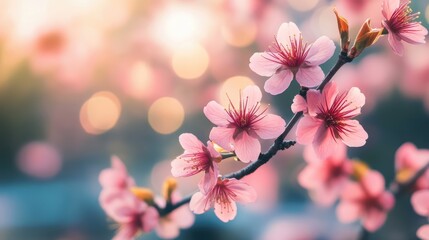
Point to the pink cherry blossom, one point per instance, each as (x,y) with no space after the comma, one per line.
(116,177)
(420,202)
(290,57)
(169,226)
(401,25)
(195,159)
(325,178)
(223,197)
(366,200)
(329,122)
(410,159)
(239,127)
(132,215)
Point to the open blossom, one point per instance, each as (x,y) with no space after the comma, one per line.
(329,122)
(408,160)
(366,200)
(195,159)
(132,215)
(239,127)
(169,226)
(223,197)
(401,25)
(327,177)
(290,57)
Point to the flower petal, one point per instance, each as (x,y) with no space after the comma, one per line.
(348,212)
(373,182)
(216,114)
(199,203)
(320,51)
(149,219)
(264,64)
(423,232)
(209,180)
(223,137)
(325,144)
(314,98)
(269,127)
(190,143)
(388,7)
(252,96)
(310,76)
(167,229)
(414,35)
(395,44)
(225,211)
(126,232)
(306,129)
(279,82)
(373,219)
(355,136)
(420,202)
(243,192)
(299,104)
(247,148)
(288,32)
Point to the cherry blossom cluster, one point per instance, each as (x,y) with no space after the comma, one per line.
(326,124)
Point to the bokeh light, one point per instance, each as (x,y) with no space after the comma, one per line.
(39,159)
(140,80)
(166,115)
(100,113)
(241,35)
(303,5)
(190,61)
(231,88)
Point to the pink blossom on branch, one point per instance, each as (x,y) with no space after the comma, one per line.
(169,226)
(290,57)
(116,177)
(325,178)
(197,158)
(408,160)
(401,25)
(329,122)
(239,127)
(223,197)
(366,200)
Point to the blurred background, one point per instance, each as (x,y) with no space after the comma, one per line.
(83,80)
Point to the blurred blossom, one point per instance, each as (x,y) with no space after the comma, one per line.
(166,115)
(408,160)
(190,61)
(268,189)
(374,76)
(357,11)
(39,159)
(100,113)
(291,229)
(303,5)
(231,87)
(240,35)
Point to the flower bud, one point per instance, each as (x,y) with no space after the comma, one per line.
(359,169)
(366,37)
(170,184)
(144,194)
(343,28)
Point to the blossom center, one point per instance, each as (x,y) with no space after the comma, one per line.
(291,55)
(402,19)
(244,116)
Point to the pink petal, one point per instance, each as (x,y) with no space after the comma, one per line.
(415,35)
(308,177)
(247,148)
(314,98)
(287,32)
(387,200)
(223,137)
(243,192)
(324,143)
(279,82)
(373,219)
(310,156)
(355,136)
(405,157)
(395,44)
(225,211)
(423,232)
(326,195)
(309,76)
(212,151)
(388,7)
(353,192)
(126,232)
(118,165)
(299,104)
(348,212)
(110,178)
(263,64)
(306,129)
(320,51)
(199,203)
(356,100)
(420,202)
(167,229)
(179,168)
(216,114)
(251,96)
(330,92)
(149,219)
(269,127)
(190,143)
(373,182)
(183,217)
(209,180)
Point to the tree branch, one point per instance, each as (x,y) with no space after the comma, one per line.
(279,143)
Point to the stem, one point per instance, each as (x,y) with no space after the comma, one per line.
(397,189)
(278,144)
